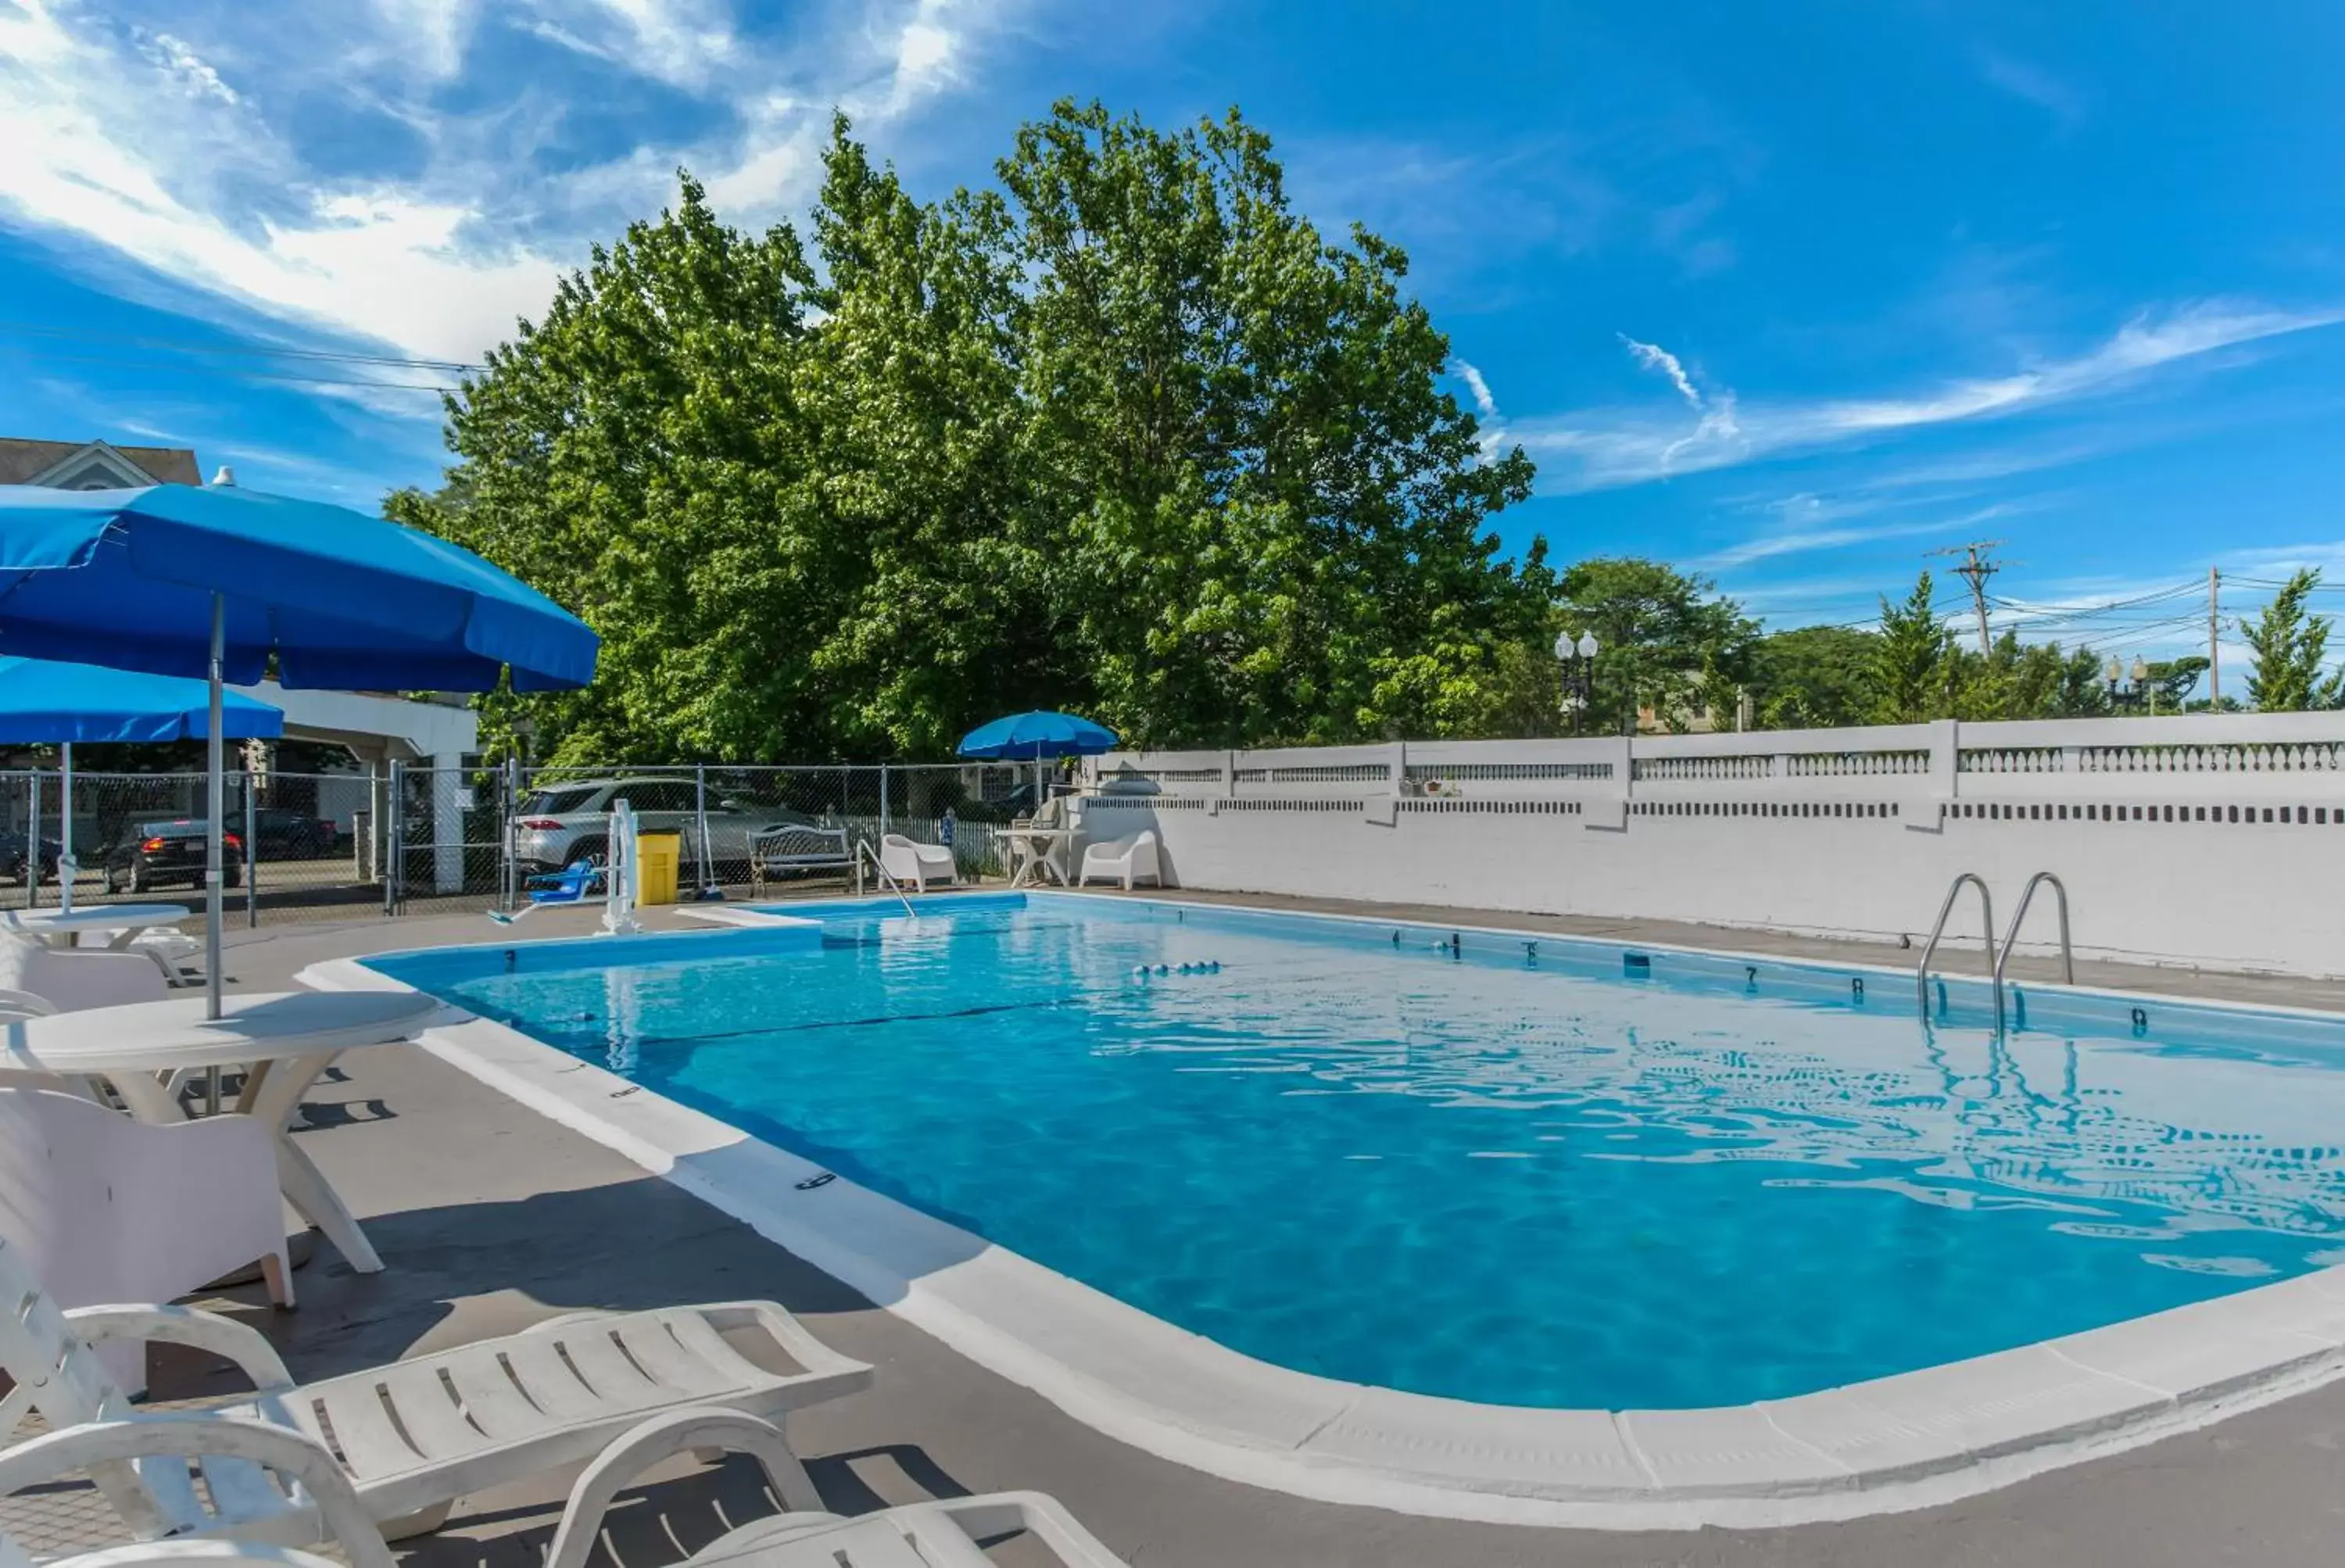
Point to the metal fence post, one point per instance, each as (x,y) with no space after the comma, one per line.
(704,863)
(32,842)
(510,815)
(394,835)
(251,856)
(883,800)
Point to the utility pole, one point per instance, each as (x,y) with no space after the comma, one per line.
(2214,639)
(1976,569)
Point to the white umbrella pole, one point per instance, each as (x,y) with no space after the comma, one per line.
(213,763)
(67,869)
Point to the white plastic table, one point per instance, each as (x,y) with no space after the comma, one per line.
(286,1039)
(1042,850)
(62,928)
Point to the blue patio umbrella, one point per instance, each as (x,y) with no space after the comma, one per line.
(223,582)
(46,703)
(43,702)
(1024,737)
(1035,736)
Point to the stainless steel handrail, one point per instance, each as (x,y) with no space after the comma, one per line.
(1937,930)
(863,851)
(2067,958)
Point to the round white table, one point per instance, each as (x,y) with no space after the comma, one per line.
(61,927)
(285,1039)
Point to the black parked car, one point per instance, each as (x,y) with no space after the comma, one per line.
(12,858)
(158,855)
(281,834)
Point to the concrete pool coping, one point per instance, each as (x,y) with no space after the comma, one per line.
(1905,1441)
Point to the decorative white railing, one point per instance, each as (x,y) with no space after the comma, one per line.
(2319,756)
(1703,768)
(1855,764)
(1487,772)
(2210,841)
(1941,759)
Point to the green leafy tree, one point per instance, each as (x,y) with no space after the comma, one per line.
(1813,677)
(1127,436)
(2290,644)
(1276,521)
(1912,660)
(637,455)
(1671,644)
(2171,681)
(2022,680)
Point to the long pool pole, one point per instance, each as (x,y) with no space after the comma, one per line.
(214,765)
(67,869)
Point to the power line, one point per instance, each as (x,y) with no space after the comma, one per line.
(2156,595)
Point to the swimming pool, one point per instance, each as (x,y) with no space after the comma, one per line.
(1504,1169)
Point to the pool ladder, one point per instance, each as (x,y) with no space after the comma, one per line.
(863,852)
(1998,959)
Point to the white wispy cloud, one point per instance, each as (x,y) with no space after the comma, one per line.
(155,152)
(1807,538)
(1610,447)
(2034,85)
(1654,357)
(177,60)
(683,43)
(927,47)
(1484,404)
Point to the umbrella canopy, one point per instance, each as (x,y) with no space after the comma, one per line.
(1028,737)
(43,702)
(176,579)
(344,602)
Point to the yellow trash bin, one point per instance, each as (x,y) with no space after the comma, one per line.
(657,855)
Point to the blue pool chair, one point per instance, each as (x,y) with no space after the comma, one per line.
(574,882)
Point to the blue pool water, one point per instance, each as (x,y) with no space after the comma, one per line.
(1535,1174)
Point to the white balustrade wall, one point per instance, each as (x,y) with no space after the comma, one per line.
(2214,841)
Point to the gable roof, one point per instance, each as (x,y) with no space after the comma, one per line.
(24,462)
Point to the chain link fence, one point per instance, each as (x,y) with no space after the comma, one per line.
(325,846)
(288,847)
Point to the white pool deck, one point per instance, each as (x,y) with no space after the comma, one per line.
(1916,1440)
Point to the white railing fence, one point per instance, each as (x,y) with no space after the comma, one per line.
(2200,839)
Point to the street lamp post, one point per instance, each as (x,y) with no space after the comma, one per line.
(1575,665)
(2123,693)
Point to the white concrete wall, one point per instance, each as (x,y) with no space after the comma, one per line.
(2215,841)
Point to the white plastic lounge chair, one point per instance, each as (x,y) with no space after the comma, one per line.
(1137,859)
(177,954)
(920,1535)
(263,1471)
(418,1434)
(917,865)
(101,1207)
(179,1554)
(70,979)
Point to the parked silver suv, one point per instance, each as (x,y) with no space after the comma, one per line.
(563,823)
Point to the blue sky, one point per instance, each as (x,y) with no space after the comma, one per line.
(1791,294)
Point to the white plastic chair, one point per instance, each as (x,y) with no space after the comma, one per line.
(100,1208)
(919,864)
(1137,859)
(235,1458)
(943,1534)
(70,979)
(419,1434)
